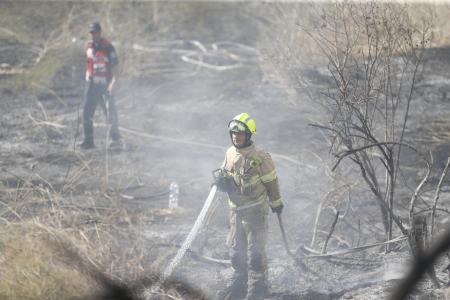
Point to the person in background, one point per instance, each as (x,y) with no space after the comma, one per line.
(100,77)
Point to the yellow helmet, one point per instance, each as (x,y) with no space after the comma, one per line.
(242,123)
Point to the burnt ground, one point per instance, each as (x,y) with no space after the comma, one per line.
(173,121)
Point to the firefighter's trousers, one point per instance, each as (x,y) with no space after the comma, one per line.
(247,241)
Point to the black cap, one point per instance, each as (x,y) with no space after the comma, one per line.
(95,27)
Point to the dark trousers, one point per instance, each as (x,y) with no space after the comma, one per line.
(98,94)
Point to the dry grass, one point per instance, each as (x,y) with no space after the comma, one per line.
(30,268)
(286,31)
(54,248)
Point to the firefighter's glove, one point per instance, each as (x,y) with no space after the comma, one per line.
(224,182)
(278,209)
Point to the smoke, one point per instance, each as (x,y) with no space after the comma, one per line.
(175,98)
(185,70)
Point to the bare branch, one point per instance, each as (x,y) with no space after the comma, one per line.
(414,196)
(313,253)
(343,154)
(333,225)
(436,196)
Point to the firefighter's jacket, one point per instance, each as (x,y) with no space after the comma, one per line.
(255,177)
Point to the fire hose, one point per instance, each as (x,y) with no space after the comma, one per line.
(297,261)
(283,235)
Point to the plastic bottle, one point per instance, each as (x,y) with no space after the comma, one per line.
(173,195)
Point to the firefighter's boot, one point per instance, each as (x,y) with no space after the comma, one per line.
(257,290)
(236,288)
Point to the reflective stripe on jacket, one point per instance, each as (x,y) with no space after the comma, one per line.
(254,173)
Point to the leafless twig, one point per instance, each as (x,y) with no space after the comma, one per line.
(436,197)
(324,248)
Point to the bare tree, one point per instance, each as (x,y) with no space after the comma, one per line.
(374,53)
(374,56)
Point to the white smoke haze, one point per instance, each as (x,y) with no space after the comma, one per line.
(186,69)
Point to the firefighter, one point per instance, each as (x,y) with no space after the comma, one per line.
(249,178)
(100,77)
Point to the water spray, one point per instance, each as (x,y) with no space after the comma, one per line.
(186,244)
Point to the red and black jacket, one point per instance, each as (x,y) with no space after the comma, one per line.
(101,57)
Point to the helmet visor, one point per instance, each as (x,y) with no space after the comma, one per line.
(236,126)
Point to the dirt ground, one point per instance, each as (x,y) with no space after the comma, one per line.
(173,121)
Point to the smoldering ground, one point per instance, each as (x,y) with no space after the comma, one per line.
(186,69)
